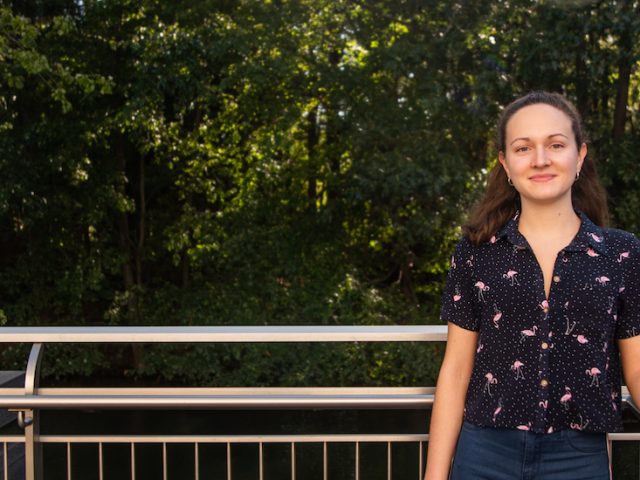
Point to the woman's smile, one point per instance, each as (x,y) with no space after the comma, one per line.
(542,177)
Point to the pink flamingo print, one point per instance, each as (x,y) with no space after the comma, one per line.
(456,296)
(481,289)
(491,380)
(550,430)
(497,410)
(518,248)
(622,256)
(469,262)
(497,316)
(544,305)
(517,367)
(592,253)
(480,347)
(511,275)
(566,398)
(581,339)
(493,239)
(569,328)
(602,280)
(594,373)
(614,397)
(528,333)
(579,426)
(524,427)
(587,286)
(610,308)
(595,237)
(543,404)
(453,262)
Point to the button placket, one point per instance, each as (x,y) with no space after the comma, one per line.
(545,344)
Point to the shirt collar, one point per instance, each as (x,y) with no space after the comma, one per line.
(590,235)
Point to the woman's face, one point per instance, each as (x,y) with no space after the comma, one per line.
(541,156)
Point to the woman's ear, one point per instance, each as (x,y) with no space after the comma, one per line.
(503,162)
(582,154)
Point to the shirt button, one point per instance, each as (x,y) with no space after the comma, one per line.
(544,382)
(544,345)
(545,309)
(556,278)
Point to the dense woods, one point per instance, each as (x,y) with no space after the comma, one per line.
(242,162)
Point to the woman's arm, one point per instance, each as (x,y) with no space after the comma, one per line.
(630,354)
(451,390)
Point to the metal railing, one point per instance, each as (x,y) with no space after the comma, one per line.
(31,399)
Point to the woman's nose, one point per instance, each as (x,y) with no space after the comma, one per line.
(540,157)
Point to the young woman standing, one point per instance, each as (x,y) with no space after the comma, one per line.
(543,311)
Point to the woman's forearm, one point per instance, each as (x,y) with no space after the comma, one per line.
(446,419)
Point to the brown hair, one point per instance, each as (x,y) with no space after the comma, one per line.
(501,201)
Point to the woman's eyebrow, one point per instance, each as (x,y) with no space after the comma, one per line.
(526,139)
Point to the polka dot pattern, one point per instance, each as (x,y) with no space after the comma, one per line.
(546,364)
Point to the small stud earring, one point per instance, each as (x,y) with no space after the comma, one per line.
(509,181)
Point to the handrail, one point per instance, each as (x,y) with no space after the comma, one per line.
(223,334)
(272,400)
(235,402)
(31,399)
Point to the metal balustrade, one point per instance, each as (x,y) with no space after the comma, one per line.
(31,399)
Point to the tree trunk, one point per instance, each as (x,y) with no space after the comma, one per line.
(128,275)
(625,47)
(312,143)
(622,98)
(124,234)
(142,211)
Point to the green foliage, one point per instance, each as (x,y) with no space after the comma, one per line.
(250,163)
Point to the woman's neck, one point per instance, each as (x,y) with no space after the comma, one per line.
(551,221)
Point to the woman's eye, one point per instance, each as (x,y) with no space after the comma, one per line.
(522,149)
(557,146)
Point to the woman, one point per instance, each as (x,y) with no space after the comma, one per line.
(540,301)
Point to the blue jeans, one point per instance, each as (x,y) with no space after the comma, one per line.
(506,454)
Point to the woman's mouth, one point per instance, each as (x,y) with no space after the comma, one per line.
(542,178)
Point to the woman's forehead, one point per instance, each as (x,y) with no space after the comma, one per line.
(539,119)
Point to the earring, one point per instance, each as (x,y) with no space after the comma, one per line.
(509,181)
(577,175)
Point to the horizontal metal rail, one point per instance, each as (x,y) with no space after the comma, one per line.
(316,438)
(320,438)
(213,391)
(231,334)
(232,398)
(72,402)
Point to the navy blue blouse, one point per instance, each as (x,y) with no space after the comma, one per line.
(546,364)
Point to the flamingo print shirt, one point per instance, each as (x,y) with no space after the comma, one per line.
(546,364)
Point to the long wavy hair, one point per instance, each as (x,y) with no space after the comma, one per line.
(501,201)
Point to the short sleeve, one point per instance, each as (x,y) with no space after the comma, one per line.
(628,324)
(458,296)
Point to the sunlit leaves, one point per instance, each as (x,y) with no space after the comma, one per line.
(251,162)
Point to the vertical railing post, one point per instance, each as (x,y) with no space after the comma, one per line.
(30,419)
